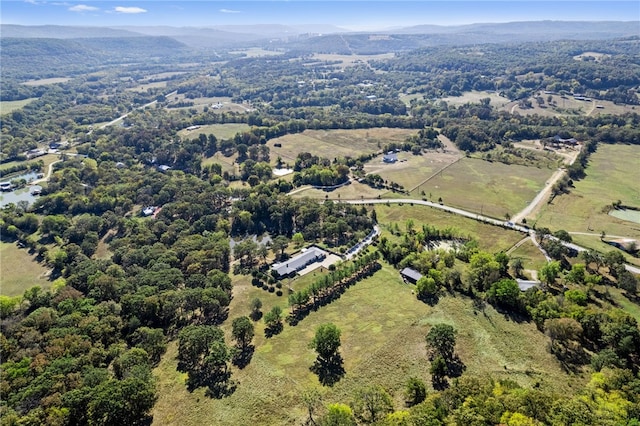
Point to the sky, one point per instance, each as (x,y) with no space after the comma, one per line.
(349,14)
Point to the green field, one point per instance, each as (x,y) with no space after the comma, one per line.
(335,143)
(490,188)
(612,174)
(10,106)
(221,131)
(383,327)
(19,271)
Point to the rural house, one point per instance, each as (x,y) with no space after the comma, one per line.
(299,262)
(410,275)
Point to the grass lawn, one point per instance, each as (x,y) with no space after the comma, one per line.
(19,271)
(490,238)
(383,328)
(9,106)
(612,174)
(221,131)
(490,188)
(335,143)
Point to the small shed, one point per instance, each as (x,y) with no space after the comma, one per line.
(410,275)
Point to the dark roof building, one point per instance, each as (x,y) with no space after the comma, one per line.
(410,275)
(299,262)
(390,157)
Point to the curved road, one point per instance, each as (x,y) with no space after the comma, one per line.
(475,216)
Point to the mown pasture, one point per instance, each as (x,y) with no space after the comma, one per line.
(490,188)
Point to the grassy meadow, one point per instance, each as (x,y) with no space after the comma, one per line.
(9,106)
(612,174)
(383,328)
(474,97)
(221,131)
(19,271)
(335,143)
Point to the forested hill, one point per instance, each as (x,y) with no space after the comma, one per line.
(34,54)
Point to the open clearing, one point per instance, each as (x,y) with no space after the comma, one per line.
(350,60)
(19,271)
(383,327)
(474,97)
(531,256)
(353,191)
(9,106)
(146,86)
(612,174)
(567,105)
(335,143)
(256,52)
(490,188)
(45,81)
(221,131)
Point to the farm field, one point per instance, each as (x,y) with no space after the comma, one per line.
(221,131)
(612,174)
(335,143)
(9,106)
(383,327)
(200,103)
(490,188)
(19,271)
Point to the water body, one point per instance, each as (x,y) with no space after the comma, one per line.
(22,194)
(625,214)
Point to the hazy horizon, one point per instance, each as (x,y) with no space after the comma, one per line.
(350,15)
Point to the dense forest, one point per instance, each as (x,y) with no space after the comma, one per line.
(83,350)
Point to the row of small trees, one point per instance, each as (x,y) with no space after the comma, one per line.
(329,287)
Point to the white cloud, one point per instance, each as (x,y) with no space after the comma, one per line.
(229,11)
(130,10)
(82,8)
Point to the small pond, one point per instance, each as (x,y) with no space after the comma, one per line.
(626,214)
